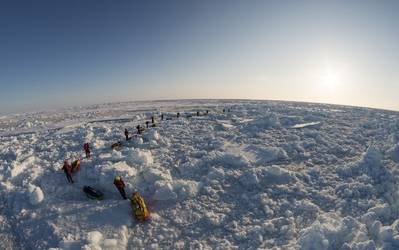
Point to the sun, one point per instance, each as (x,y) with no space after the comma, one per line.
(329,79)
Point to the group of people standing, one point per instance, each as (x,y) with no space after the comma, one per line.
(141,129)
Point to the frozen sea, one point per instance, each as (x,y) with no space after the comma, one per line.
(261,175)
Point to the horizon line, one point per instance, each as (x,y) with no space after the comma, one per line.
(195,99)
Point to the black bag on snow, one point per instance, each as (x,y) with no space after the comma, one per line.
(93,193)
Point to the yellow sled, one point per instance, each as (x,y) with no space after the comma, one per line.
(140,210)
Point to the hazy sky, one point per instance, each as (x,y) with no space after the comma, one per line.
(55,53)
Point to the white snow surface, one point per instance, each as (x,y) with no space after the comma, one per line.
(35,195)
(264,175)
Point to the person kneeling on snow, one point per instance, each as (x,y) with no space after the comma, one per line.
(68,171)
(120,185)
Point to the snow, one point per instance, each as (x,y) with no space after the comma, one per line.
(152,175)
(266,175)
(95,240)
(152,135)
(94,237)
(164,191)
(231,160)
(36,195)
(394,152)
(186,188)
(270,154)
(304,125)
(140,157)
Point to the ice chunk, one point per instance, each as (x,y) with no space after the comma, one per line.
(124,169)
(36,195)
(164,191)
(276,175)
(269,154)
(369,164)
(329,231)
(94,237)
(116,155)
(269,175)
(304,125)
(375,228)
(137,141)
(250,178)
(141,157)
(381,210)
(215,218)
(99,144)
(365,245)
(268,121)
(152,175)
(394,153)
(110,243)
(231,160)
(20,167)
(186,188)
(152,135)
(216,173)
(308,206)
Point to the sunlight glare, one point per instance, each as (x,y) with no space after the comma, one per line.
(329,79)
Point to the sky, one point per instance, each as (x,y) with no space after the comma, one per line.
(69,53)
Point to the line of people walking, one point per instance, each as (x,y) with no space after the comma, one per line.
(69,169)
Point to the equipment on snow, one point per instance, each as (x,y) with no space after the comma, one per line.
(140,129)
(117,146)
(139,207)
(93,193)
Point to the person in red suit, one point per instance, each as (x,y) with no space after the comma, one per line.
(68,171)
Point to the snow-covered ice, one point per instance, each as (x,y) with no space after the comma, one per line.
(304,125)
(266,175)
(35,195)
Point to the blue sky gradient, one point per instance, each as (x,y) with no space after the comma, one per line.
(64,53)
